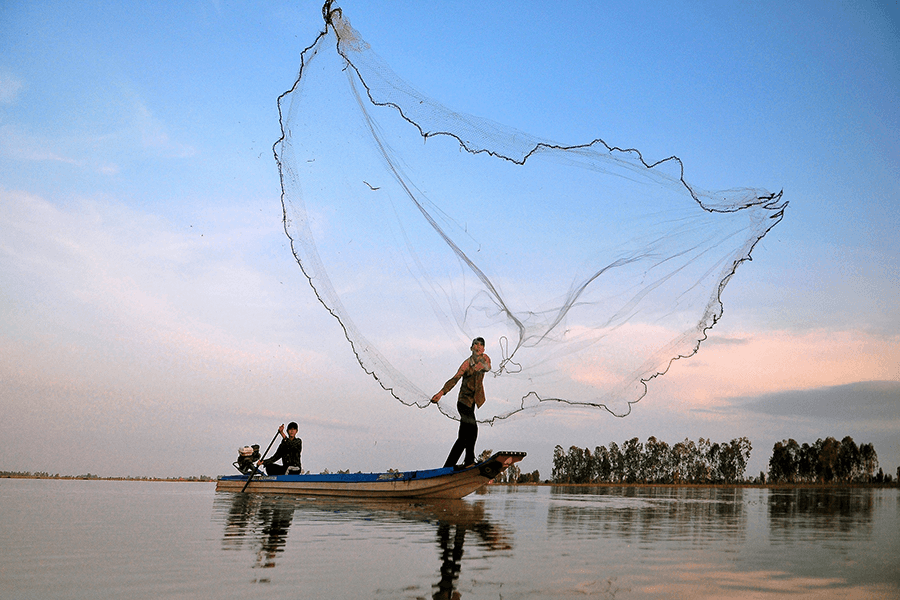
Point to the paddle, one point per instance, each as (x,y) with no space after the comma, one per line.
(256,465)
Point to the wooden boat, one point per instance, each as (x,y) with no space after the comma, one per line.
(432,483)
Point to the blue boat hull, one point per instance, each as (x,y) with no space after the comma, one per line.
(431,483)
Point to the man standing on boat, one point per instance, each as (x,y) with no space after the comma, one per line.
(471,394)
(288,451)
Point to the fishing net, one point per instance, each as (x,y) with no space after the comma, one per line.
(586,270)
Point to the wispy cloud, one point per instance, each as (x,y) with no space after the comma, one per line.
(154,134)
(139,135)
(724,340)
(865,400)
(142,332)
(768,362)
(20,145)
(10,87)
(131,276)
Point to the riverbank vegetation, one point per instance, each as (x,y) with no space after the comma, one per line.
(655,461)
(825,461)
(44,475)
(705,462)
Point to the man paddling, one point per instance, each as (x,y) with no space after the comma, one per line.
(288,451)
(471,394)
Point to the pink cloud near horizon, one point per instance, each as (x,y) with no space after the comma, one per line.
(763,362)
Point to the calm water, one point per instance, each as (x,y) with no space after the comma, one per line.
(101,539)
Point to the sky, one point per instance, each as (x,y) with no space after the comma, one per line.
(153,320)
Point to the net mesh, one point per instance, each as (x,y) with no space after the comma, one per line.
(586,269)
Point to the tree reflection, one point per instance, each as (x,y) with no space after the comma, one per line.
(795,512)
(649,514)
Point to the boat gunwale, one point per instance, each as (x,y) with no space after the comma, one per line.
(446,482)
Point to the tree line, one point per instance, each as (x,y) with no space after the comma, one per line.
(655,461)
(46,475)
(825,461)
(705,462)
(512,474)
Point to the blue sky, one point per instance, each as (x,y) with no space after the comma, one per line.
(151,316)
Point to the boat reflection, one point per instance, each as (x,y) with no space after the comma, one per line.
(261,523)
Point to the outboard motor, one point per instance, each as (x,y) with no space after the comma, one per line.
(247,458)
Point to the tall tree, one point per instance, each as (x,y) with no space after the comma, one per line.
(848,466)
(828,457)
(783,465)
(560,472)
(602,465)
(656,460)
(632,450)
(617,463)
(869,460)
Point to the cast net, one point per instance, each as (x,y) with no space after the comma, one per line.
(586,270)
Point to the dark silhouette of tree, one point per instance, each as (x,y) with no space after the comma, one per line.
(632,454)
(533,477)
(732,459)
(825,461)
(807,460)
(784,462)
(681,461)
(560,473)
(602,464)
(653,462)
(829,449)
(848,461)
(869,460)
(617,464)
(657,460)
(582,465)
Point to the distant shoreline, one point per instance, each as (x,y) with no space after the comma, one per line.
(195,479)
(206,479)
(830,485)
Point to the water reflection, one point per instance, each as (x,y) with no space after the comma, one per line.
(650,514)
(542,542)
(452,530)
(263,524)
(797,512)
(260,522)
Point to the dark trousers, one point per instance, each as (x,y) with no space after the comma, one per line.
(468,433)
(275,469)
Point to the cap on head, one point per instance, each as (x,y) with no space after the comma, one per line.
(292,425)
(478,340)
